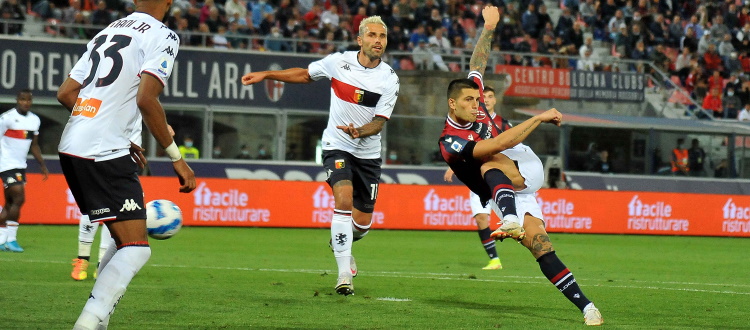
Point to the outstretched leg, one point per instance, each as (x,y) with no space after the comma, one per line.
(538,243)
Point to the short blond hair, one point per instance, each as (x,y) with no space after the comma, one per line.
(370,20)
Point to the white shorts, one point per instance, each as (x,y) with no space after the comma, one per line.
(476,205)
(529,165)
(525,203)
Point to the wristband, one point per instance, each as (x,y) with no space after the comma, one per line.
(173,152)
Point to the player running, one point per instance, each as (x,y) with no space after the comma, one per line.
(363,93)
(112,89)
(19,133)
(494,165)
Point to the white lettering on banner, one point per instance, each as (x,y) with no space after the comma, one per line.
(455,211)
(559,214)
(323,204)
(643,216)
(8,69)
(71,210)
(227,206)
(36,66)
(736,218)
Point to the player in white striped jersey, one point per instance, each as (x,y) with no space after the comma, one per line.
(19,133)
(110,91)
(363,93)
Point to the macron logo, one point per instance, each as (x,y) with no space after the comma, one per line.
(322,199)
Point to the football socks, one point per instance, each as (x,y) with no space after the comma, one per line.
(360,231)
(488,242)
(86,233)
(113,280)
(562,278)
(105,241)
(341,239)
(11,230)
(502,191)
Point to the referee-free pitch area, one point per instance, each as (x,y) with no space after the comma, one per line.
(239,278)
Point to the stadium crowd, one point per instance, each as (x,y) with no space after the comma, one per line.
(704,45)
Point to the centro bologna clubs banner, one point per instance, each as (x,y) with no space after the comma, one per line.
(549,83)
(249,203)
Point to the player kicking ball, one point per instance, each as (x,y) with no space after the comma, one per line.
(495,165)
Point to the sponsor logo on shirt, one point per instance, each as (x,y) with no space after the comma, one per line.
(86,107)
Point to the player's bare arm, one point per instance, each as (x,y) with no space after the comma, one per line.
(481,52)
(293,76)
(516,134)
(371,128)
(448,175)
(156,121)
(37,152)
(67,94)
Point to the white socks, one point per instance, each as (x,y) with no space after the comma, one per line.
(11,230)
(105,241)
(111,284)
(86,233)
(3,235)
(360,231)
(341,239)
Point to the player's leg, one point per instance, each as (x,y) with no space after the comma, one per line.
(111,192)
(482,218)
(105,243)
(538,242)
(502,176)
(339,168)
(366,183)
(15,196)
(86,235)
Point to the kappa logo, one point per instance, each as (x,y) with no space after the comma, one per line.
(86,107)
(346,67)
(130,205)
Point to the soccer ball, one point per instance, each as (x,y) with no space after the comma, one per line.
(163,219)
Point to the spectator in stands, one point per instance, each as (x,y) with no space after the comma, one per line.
(435,21)
(571,5)
(235,6)
(312,19)
(524,46)
(331,14)
(263,152)
(732,18)
(712,102)
(575,36)
(689,41)
(101,15)
(628,11)
(587,9)
(188,150)
(244,153)
(683,64)
(260,8)
(660,59)
(565,22)
(586,63)
(214,20)
(219,40)
(726,47)
(744,16)
(722,169)
(731,104)
(639,54)
(733,82)
(718,29)
(744,114)
(613,27)
(716,81)
(417,36)
(679,159)
(696,26)
(546,45)
(742,39)
(234,37)
(530,21)
(696,159)
(544,19)
(676,32)
(603,163)
(216,153)
(659,30)
(711,59)
(622,42)
(439,41)
(587,45)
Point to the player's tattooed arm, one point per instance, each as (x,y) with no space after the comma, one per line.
(481,52)
(515,135)
(371,128)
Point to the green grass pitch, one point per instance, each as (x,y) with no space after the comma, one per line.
(242,278)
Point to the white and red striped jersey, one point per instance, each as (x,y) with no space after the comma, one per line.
(105,117)
(16,133)
(358,95)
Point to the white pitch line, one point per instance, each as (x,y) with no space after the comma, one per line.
(536,280)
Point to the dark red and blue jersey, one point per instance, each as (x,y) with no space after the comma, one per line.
(457,144)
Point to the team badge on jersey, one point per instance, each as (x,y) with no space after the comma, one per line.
(339,164)
(358,95)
